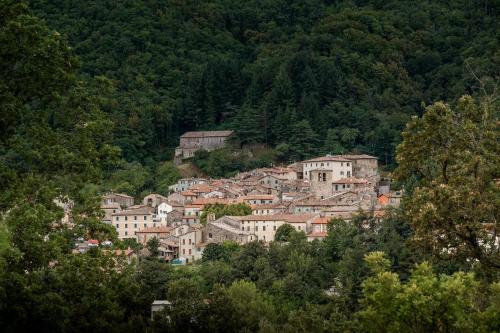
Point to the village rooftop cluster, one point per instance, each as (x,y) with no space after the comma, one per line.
(306,195)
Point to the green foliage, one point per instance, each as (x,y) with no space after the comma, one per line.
(166,174)
(276,72)
(426,303)
(152,246)
(283,233)
(220,210)
(453,153)
(214,252)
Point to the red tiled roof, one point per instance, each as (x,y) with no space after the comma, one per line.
(290,218)
(351,180)
(321,220)
(159,229)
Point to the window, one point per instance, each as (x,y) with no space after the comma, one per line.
(300,228)
(248,228)
(264,237)
(135,225)
(274,228)
(117,225)
(341,163)
(183,251)
(114,211)
(189,251)
(126,218)
(126,233)
(264,228)
(242,229)
(117,218)
(256,228)
(145,225)
(189,241)
(341,173)
(348,173)
(347,164)
(135,218)
(322,164)
(126,226)
(145,217)
(183,242)
(210,235)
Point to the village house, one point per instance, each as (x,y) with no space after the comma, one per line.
(153,199)
(184,184)
(190,242)
(270,209)
(190,142)
(188,196)
(259,199)
(122,199)
(264,226)
(226,228)
(338,167)
(349,184)
(144,235)
(109,210)
(319,228)
(133,219)
(271,180)
(363,166)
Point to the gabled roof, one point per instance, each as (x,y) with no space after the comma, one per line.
(351,180)
(136,210)
(205,134)
(358,157)
(290,218)
(327,159)
(112,194)
(160,229)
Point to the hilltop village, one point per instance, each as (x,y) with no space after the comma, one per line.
(305,195)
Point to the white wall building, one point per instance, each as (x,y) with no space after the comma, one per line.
(339,166)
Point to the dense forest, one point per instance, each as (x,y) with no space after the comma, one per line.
(90,92)
(343,75)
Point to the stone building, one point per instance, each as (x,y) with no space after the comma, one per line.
(122,199)
(226,229)
(190,142)
(363,166)
(133,219)
(338,166)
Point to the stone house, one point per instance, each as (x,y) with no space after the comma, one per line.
(133,219)
(109,210)
(144,235)
(268,209)
(350,184)
(363,166)
(190,242)
(319,228)
(190,142)
(153,199)
(338,167)
(123,200)
(264,226)
(259,199)
(226,228)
